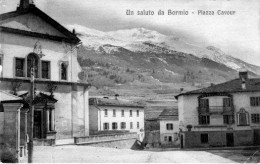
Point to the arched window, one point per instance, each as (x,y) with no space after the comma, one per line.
(33,62)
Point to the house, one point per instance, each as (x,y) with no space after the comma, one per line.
(34,47)
(108,114)
(169,128)
(152,123)
(226,114)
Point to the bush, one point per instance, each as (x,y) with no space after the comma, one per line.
(8,157)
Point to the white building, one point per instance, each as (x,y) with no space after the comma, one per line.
(29,38)
(226,114)
(169,128)
(116,115)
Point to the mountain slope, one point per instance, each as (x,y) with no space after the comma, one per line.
(143,63)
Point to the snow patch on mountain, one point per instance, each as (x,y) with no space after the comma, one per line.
(144,40)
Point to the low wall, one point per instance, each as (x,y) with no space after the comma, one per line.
(218,138)
(109,140)
(43,142)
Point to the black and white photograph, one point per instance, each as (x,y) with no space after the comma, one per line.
(129,81)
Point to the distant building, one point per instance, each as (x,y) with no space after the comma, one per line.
(115,115)
(225,114)
(29,38)
(169,128)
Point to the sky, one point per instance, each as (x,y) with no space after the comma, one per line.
(237,35)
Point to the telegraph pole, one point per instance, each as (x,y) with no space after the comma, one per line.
(31,123)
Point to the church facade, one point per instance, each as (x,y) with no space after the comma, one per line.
(29,38)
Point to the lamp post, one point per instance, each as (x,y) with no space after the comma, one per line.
(31,124)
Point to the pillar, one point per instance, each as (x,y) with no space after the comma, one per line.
(12,128)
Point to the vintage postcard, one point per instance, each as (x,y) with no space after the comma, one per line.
(129,81)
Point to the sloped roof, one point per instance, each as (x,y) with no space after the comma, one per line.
(4,96)
(39,98)
(153,112)
(169,112)
(114,102)
(34,10)
(232,86)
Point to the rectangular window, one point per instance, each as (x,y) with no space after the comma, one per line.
(114,125)
(137,125)
(106,113)
(204,138)
(227,119)
(123,125)
(165,138)
(106,126)
(137,113)
(131,113)
(204,103)
(227,102)
(255,118)
(122,113)
(114,113)
(170,138)
(45,69)
(169,126)
(204,120)
(255,101)
(19,67)
(131,125)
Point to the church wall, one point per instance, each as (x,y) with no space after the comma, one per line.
(20,46)
(71,109)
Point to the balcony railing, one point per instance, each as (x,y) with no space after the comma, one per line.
(216,109)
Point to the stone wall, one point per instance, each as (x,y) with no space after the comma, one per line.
(104,138)
(109,140)
(218,138)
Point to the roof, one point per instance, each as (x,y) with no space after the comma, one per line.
(232,86)
(114,102)
(39,98)
(169,114)
(34,10)
(9,98)
(153,112)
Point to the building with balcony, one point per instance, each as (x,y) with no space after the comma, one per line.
(34,47)
(115,115)
(226,114)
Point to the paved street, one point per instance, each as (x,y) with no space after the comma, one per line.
(87,154)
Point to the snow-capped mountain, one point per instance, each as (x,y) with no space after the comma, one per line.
(144,40)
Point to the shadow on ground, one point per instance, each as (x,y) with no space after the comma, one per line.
(247,155)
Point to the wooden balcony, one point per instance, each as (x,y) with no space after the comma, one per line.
(216,110)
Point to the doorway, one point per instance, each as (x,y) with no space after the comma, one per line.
(37,128)
(181,141)
(230,139)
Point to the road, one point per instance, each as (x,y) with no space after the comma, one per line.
(87,154)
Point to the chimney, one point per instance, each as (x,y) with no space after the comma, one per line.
(116,96)
(243,85)
(243,75)
(25,4)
